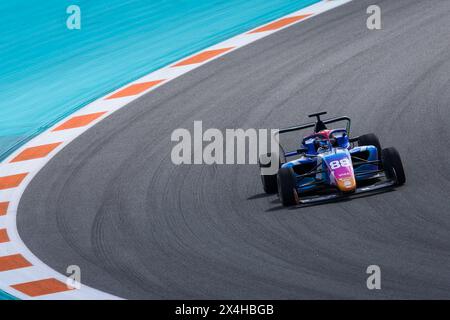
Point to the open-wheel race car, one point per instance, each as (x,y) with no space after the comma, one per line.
(330,165)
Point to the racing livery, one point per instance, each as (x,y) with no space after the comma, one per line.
(329,165)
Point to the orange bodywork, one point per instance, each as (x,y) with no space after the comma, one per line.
(347,184)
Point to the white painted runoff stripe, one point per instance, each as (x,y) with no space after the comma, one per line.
(22,274)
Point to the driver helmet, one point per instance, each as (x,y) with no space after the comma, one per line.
(322,144)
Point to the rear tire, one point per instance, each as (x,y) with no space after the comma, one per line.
(370,139)
(269,182)
(287,190)
(393,166)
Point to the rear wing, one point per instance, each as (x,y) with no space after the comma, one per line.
(310,125)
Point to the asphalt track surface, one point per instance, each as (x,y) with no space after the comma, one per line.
(140,227)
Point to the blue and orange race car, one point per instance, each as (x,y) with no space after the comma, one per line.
(330,165)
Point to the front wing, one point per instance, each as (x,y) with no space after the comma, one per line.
(379,185)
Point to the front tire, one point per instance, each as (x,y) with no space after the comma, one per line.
(287,190)
(393,166)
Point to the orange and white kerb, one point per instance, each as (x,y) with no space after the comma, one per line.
(24,275)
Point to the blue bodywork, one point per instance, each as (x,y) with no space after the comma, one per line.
(311,169)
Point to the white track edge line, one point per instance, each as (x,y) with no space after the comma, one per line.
(40,270)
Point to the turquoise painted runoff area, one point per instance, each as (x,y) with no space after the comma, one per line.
(48,71)
(5,296)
